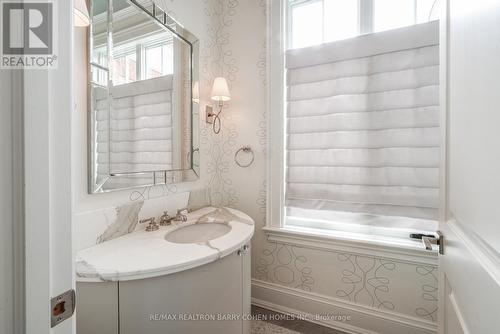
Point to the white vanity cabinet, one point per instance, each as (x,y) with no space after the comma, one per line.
(219,291)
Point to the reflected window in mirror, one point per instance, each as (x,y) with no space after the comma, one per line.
(142,118)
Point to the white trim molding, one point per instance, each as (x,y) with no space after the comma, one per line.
(276,112)
(400,250)
(360,319)
(483,252)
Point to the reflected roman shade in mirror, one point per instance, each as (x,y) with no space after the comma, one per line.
(139,137)
(363,125)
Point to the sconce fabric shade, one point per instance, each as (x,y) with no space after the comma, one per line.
(81,14)
(220,90)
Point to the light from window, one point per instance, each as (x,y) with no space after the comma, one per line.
(143,58)
(393,14)
(320,21)
(427,10)
(307,24)
(99,75)
(341,19)
(158,61)
(125,68)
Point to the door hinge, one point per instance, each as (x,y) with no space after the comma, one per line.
(62,307)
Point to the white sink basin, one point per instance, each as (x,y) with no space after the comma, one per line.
(196,233)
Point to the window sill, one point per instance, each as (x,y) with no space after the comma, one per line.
(402,250)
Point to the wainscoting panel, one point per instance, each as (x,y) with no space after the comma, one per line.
(335,312)
(392,288)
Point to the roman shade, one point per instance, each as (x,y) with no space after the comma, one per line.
(135,135)
(363,125)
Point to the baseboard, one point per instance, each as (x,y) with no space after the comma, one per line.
(363,319)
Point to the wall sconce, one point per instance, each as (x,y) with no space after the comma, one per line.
(220,93)
(81,14)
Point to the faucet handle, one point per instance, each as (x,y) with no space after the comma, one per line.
(152,226)
(182,215)
(183,211)
(165,219)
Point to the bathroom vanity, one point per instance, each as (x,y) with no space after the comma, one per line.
(189,277)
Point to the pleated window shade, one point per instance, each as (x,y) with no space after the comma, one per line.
(363,125)
(139,137)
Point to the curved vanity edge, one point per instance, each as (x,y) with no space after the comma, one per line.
(224,251)
(114,260)
(135,275)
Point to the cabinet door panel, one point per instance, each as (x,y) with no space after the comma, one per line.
(155,305)
(97,308)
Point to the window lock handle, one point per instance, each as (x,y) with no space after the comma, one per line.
(429,239)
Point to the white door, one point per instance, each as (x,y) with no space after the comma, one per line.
(470,266)
(42,161)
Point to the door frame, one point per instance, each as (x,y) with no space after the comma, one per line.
(444,127)
(47,112)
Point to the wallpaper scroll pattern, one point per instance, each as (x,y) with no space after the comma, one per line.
(281,264)
(218,60)
(429,291)
(367,282)
(379,283)
(146,193)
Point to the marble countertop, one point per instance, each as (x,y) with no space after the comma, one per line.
(142,254)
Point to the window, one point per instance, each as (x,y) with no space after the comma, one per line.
(320,21)
(341,19)
(307,24)
(359,122)
(159,60)
(125,64)
(143,59)
(392,14)
(100,73)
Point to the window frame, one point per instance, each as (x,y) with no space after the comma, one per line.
(276,103)
(275,226)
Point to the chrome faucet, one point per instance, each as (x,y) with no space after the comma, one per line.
(165,219)
(152,226)
(181,216)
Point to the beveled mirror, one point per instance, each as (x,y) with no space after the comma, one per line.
(143,99)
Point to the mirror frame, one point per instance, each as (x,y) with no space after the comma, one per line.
(160,177)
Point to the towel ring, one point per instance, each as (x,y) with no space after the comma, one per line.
(246,149)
